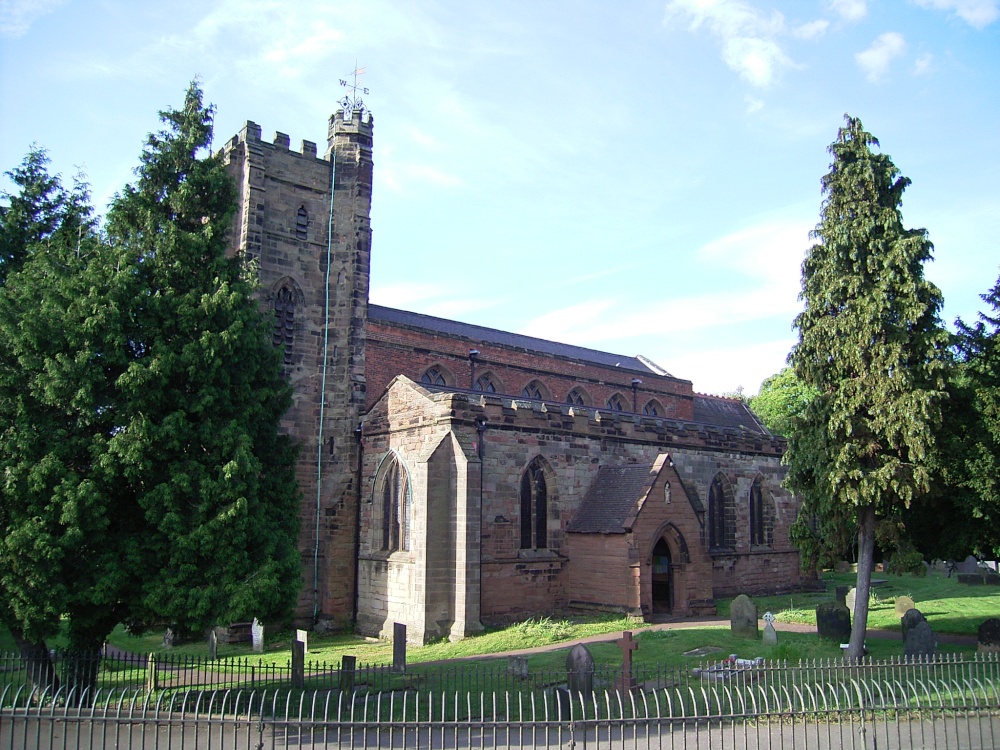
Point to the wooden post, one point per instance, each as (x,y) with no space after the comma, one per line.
(626,681)
(298,664)
(347,667)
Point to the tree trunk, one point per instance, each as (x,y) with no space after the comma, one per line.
(80,675)
(866,559)
(40,670)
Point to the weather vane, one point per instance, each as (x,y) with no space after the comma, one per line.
(353,101)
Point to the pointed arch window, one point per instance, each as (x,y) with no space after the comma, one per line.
(575,397)
(485,384)
(761,522)
(433,376)
(392,498)
(652,409)
(533,390)
(721,514)
(534,507)
(284,323)
(616,403)
(302,224)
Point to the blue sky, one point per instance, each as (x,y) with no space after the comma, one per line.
(638,177)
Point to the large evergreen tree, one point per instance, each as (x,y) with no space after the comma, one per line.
(143,477)
(871,346)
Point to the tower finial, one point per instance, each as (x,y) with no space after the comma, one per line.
(352,102)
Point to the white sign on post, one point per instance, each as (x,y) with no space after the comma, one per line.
(302,636)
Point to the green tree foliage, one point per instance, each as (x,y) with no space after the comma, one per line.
(143,477)
(782,399)
(871,346)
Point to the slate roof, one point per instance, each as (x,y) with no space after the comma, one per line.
(726,412)
(476,333)
(612,495)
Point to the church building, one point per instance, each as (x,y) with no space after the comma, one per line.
(454,475)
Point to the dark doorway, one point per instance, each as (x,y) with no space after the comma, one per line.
(663,579)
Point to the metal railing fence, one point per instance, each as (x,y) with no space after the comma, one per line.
(174,673)
(859,712)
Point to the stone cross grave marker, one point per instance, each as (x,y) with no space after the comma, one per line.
(851,597)
(626,681)
(580,670)
(770,636)
(257,636)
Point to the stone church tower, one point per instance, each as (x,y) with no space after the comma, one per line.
(305,222)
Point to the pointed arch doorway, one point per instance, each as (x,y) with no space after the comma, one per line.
(662,578)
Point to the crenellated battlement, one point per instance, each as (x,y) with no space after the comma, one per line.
(251,133)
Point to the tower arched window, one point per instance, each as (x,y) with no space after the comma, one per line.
(302,224)
(721,514)
(485,384)
(284,323)
(392,496)
(616,403)
(534,507)
(576,398)
(433,376)
(761,521)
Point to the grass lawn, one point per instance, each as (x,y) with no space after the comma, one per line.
(949,606)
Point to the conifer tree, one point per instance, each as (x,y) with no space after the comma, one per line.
(871,346)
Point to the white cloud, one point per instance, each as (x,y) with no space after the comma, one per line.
(748,36)
(922,64)
(811,30)
(849,10)
(753,105)
(875,60)
(976,13)
(16,16)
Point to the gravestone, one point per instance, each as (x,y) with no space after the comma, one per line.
(743,617)
(399,647)
(989,635)
(626,681)
(168,638)
(910,620)
(579,670)
(517,666)
(833,622)
(348,664)
(903,605)
(257,636)
(770,636)
(850,599)
(298,664)
(842,566)
(213,644)
(920,640)
(303,635)
(969,566)
(841,594)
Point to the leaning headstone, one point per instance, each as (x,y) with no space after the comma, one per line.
(833,622)
(213,644)
(903,605)
(257,636)
(743,617)
(579,670)
(910,620)
(841,594)
(399,647)
(850,599)
(517,666)
(989,635)
(770,636)
(920,640)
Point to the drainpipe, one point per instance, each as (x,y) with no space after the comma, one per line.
(358,434)
(473,354)
(322,389)
(635,395)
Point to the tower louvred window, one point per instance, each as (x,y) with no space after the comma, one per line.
(302,224)
(284,324)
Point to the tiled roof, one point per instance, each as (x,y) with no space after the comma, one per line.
(612,495)
(485,335)
(725,412)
